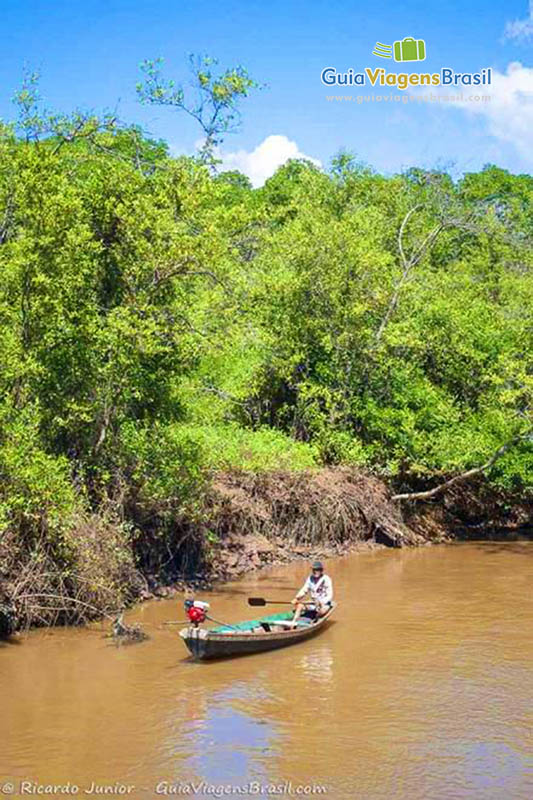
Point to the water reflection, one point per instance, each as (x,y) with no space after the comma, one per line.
(475,769)
(317,665)
(229,746)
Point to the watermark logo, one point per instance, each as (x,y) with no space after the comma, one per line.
(407,49)
(382,50)
(403,50)
(410,49)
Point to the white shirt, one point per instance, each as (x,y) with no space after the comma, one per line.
(321,590)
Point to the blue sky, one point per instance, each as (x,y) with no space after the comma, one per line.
(89,53)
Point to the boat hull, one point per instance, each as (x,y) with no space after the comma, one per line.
(206,644)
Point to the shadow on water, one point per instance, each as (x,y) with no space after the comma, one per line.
(231,591)
(261,579)
(521,547)
(11,641)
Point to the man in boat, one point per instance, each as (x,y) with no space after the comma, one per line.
(320,587)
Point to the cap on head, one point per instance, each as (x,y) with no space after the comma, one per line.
(318,565)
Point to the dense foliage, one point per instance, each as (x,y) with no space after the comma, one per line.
(159,321)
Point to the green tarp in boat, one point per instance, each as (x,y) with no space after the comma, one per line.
(249,624)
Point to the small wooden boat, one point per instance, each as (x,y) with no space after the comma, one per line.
(252,636)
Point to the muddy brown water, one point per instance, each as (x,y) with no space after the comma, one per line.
(422,689)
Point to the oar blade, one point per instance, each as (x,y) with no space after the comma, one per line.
(256,601)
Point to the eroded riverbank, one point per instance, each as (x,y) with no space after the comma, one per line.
(247,521)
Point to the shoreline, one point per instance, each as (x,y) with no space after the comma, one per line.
(249,516)
(212,581)
(250,521)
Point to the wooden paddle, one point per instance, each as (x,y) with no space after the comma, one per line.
(260,601)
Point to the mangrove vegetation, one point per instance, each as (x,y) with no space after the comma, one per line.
(162,322)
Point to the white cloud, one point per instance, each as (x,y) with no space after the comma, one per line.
(520,29)
(509,113)
(261,163)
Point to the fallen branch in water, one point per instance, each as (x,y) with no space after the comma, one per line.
(120,630)
(426,495)
(128,633)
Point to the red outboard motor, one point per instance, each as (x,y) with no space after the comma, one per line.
(196,611)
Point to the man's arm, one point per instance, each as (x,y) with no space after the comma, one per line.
(302,592)
(328,594)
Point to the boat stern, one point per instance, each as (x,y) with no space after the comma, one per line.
(195,640)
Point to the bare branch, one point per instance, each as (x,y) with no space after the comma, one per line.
(66,600)
(427,495)
(401,232)
(223,395)
(8,217)
(407,265)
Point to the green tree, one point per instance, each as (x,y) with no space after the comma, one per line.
(215,99)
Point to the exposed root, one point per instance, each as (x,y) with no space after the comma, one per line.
(39,586)
(255,518)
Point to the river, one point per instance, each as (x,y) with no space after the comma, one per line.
(422,689)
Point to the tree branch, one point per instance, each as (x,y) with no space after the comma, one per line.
(407,264)
(427,495)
